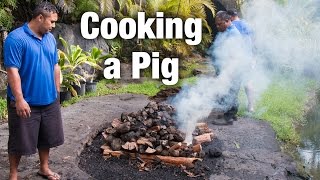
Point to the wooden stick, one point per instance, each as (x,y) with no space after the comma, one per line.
(117,154)
(203,138)
(197,148)
(115,123)
(176,146)
(204,128)
(177,161)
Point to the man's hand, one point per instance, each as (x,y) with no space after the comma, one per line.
(23,109)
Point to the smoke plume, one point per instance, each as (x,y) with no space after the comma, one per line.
(286,39)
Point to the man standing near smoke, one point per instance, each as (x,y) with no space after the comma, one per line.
(34,115)
(246,32)
(227,64)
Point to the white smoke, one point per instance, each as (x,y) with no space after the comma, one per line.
(286,39)
(286,36)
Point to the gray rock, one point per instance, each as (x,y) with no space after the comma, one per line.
(72,34)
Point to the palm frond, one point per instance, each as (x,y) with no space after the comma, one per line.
(106,6)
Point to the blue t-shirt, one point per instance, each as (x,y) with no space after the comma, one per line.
(243,27)
(220,51)
(229,33)
(35,60)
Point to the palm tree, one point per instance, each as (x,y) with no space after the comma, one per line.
(183,9)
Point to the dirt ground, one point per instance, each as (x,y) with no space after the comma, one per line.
(249,148)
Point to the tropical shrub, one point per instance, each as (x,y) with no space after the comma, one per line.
(95,58)
(69,60)
(3,109)
(6,18)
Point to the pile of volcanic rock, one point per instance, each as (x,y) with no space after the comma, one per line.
(151,134)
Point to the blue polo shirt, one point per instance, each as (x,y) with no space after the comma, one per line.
(35,60)
(246,33)
(243,27)
(221,48)
(230,33)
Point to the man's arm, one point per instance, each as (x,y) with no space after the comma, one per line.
(22,107)
(57,76)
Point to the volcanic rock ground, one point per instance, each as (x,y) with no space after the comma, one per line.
(249,148)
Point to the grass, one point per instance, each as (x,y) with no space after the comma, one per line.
(3,109)
(189,66)
(283,105)
(149,88)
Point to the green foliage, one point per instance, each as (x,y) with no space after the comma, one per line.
(6,18)
(106,7)
(149,88)
(127,8)
(69,61)
(116,47)
(8,3)
(3,109)
(283,105)
(94,58)
(84,6)
(187,67)
(172,8)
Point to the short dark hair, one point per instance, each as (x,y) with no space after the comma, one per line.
(44,8)
(223,15)
(232,12)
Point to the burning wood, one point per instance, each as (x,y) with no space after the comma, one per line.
(177,161)
(203,138)
(197,148)
(130,146)
(152,132)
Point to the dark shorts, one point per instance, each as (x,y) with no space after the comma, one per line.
(43,129)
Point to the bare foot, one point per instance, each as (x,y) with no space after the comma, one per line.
(13,176)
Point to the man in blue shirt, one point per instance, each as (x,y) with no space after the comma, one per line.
(224,61)
(34,116)
(247,33)
(227,34)
(241,25)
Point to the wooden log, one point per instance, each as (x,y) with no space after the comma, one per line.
(197,148)
(176,146)
(177,161)
(144,141)
(109,153)
(104,134)
(203,138)
(130,146)
(116,122)
(203,128)
(105,146)
(150,150)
